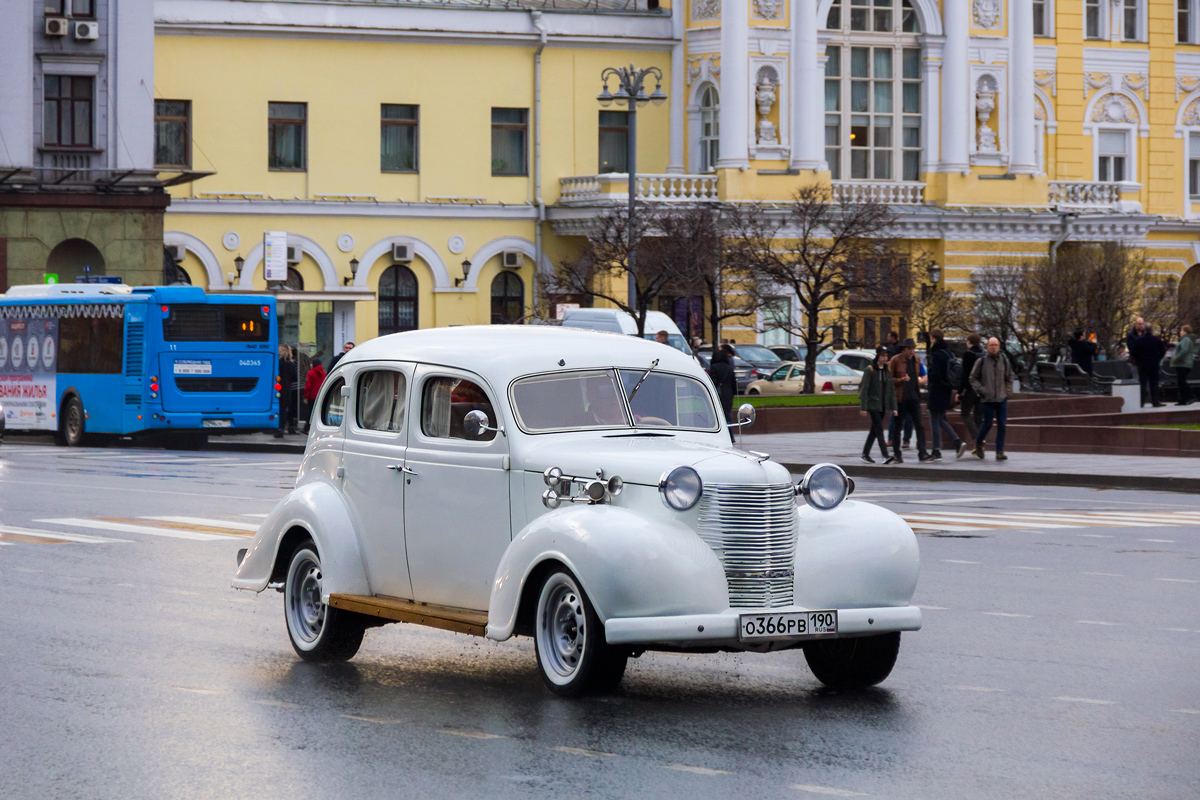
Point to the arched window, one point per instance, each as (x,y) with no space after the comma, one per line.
(508,299)
(397,300)
(710,129)
(873,91)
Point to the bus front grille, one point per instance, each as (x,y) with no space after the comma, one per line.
(210,384)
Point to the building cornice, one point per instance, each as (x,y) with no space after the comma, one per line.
(366,210)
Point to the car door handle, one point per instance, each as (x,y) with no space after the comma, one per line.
(405,470)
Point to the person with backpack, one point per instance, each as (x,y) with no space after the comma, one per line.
(877,400)
(945,375)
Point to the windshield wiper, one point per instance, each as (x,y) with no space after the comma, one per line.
(641,380)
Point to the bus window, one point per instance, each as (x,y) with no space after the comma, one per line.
(90,346)
(202,322)
(245,323)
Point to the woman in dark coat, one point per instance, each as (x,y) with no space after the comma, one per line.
(877,400)
(721,372)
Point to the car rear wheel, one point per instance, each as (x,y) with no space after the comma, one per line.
(572,655)
(753,391)
(853,663)
(318,632)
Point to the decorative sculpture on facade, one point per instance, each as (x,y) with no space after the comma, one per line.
(706,9)
(985,104)
(986,13)
(1191,114)
(764,98)
(1115,108)
(768,9)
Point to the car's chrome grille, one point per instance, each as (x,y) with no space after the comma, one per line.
(752,529)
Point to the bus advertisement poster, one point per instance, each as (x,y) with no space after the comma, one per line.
(28,350)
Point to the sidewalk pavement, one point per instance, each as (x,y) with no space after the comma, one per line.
(799,451)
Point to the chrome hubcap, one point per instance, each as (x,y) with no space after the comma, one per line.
(306,612)
(562,627)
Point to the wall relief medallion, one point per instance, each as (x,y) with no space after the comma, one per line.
(986,13)
(1115,108)
(706,9)
(768,9)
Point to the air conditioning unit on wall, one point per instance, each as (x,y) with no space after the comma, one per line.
(512,259)
(401,253)
(87,31)
(293,254)
(56,26)
(177,252)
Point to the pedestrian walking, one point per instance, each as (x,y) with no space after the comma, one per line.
(906,374)
(721,371)
(1147,352)
(893,345)
(346,348)
(877,400)
(992,378)
(941,392)
(287,387)
(312,386)
(1182,360)
(1082,351)
(970,408)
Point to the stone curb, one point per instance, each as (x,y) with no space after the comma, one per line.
(1153,483)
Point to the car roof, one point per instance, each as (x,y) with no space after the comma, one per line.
(501,353)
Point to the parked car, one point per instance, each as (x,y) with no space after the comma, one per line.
(579,489)
(744,373)
(614,320)
(789,380)
(798,352)
(763,360)
(857,360)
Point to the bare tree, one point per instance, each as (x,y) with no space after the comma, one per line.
(1111,278)
(828,251)
(938,307)
(999,289)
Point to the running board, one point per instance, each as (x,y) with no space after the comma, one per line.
(459,620)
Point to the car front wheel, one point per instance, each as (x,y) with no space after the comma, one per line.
(573,656)
(318,632)
(853,663)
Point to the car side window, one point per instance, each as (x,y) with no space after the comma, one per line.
(333,406)
(446,401)
(780,374)
(797,374)
(380,400)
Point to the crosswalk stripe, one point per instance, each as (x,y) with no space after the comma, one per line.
(105,525)
(951,501)
(209,523)
(256,516)
(996,521)
(1085,516)
(79,538)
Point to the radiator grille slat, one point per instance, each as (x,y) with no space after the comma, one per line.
(752,529)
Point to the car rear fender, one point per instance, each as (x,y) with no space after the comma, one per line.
(628,565)
(317,511)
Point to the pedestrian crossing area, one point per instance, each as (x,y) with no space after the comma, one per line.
(111,530)
(960,521)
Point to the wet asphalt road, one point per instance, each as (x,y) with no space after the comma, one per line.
(1055,662)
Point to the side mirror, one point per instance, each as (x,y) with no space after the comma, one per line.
(745,415)
(475,423)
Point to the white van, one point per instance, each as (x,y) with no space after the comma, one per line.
(614,320)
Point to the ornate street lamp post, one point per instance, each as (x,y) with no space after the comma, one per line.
(631,92)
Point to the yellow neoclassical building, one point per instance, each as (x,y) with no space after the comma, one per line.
(428,159)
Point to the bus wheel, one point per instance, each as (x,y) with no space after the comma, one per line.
(71,423)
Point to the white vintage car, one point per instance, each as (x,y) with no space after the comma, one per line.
(579,488)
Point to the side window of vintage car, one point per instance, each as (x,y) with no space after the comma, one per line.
(380,400)
(333,406)
(445,403)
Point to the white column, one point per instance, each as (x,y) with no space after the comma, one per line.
(735,114)
(957,108)
(1020,88)
(808,90)
(678,90)
(16,89)
(931,67)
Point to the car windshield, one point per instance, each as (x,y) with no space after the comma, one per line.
(830,370)
(593,399)
(674,340)
(755,352)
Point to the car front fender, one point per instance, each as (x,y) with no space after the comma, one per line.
(319,510)
(628,565)
(856,556)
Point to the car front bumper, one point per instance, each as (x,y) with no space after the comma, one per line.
(721,630)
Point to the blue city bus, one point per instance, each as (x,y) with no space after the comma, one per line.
(90,360)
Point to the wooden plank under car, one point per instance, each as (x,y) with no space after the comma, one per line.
(459,620)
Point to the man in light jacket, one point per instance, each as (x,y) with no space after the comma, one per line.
(992,378)
(1182,360)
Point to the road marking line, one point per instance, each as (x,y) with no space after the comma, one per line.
(7,530)
(255,516)
(1177,580)
(377,720)
(1185,710)
(1094,536)
(196,691)
(1178,630)
(956,561)
(696,770)
(77,487)
(826,790)
(949,501)
(979,521)
(1106,574)
(1038,569)
(1081,520)
(279,704)
(176,526)
(1087,700)
(209,523)
(976,689)
(471,734)
(1006,614)
(933,608)
(1097,622)
(102,525)
(1159,541)
(579,751)
(7,543)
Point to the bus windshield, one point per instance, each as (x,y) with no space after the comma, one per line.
(204,322)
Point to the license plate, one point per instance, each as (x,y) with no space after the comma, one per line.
(217,423)
(193,367)
(847,387)
(794,625)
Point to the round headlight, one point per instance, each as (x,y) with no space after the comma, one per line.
(681,488)
(824,486)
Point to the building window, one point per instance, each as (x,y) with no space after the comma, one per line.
(83,9)
(1093,19)
(1041,17)
(172,134)
(1130,20)
(397,300)
(1112,156)
(79,9)
(876,16)
(67,112)
(1194,165)
(286,123)
(710,129)
(508,299)
(398,127)
(1185,19)
(510,141)
(614,141)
